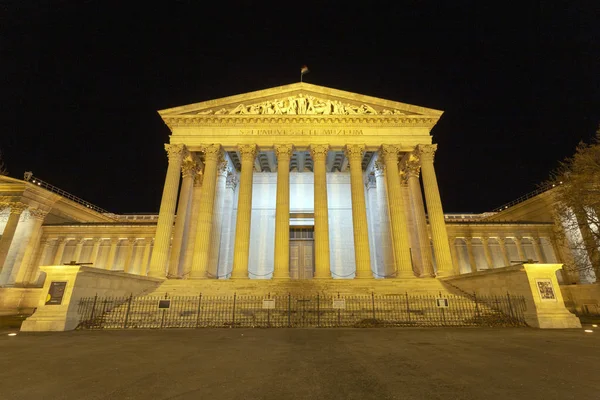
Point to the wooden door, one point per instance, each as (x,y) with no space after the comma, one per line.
(302,245)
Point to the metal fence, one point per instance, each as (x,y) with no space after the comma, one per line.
(290,311)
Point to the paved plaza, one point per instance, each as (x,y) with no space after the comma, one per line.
(436,363)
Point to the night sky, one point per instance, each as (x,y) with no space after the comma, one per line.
(81,82)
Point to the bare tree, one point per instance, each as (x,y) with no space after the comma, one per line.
(577,206)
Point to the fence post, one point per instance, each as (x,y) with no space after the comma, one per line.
(339,313)
(476,306)
(268,313)
(510,305)
(289,310)
(373,303)
(318,312)
(407,307)
(198,313)
(93,308)
(233,314)
(127,311)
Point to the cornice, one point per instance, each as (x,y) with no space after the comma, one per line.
(313,120)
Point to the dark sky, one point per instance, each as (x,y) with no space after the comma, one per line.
(81,82)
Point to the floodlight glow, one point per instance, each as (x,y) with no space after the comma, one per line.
(12,334)
(589,331)
(594,326)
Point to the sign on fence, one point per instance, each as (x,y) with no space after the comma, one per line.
(442,303)
(339,304)
(268,304)
(55,293)
(164,304)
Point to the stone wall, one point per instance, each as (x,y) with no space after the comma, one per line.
(582,299)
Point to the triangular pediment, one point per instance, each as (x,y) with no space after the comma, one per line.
(299,99)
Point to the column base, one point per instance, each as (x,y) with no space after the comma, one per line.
(239,277)
(197,275)
(364,275)
(405,275)
(443,274)
(156,274)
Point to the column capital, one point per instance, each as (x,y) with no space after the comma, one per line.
(468,240)
(403,177)
(37,213)
(211,151)
(501,240)
(319,151)
(283,151)
(484,239)
(248,151)
(378,168)
(175,152)
(354,151)
(222,169)
(426,151)
(232,181)
(17,207)
(389,152)
(198,177)
(188,168)
(412,166)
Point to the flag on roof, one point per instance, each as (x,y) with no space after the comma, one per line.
(304,70)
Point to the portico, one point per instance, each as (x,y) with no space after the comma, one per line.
(300,157)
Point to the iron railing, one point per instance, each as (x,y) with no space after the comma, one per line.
(299,311)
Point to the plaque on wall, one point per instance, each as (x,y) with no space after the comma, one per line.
(545,289)
(55,293)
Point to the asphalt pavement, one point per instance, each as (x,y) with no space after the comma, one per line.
(409,363)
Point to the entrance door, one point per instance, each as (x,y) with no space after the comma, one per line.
(302,265)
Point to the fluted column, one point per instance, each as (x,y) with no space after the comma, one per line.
(282,212)
(25,268)
(16,209)
(455,262)
(398,221)
(322,258)
(60,249)
(472,262)
(217,225)
(362,257)
(413,167)
(502,243)
(128,263)
(95,250)
(112,253)
(212,153)
(193,213)
(535,241)
(146,256)
(164,227)
(244,213)
(434,210)
(520,250)
(188,169)
(485,242)
(385,235)
(78,250)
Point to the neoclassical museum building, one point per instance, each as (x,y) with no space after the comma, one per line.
(297,182)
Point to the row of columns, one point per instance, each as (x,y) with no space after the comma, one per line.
(537,248)
(203,219)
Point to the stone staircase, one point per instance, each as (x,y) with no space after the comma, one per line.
(262,287)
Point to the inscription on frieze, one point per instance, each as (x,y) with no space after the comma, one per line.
(301,132)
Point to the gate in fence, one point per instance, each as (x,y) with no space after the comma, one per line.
(290,311)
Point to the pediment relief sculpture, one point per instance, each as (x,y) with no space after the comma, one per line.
(301,104)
